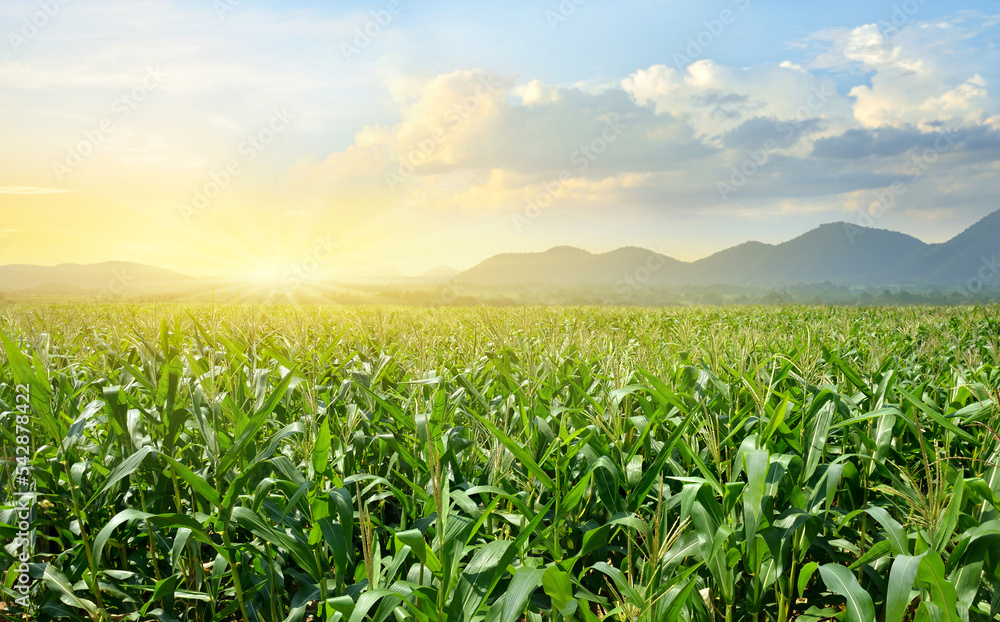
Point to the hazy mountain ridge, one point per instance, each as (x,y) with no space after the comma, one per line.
(440,272)
(569,265)
(969,256)
(838,253)
(111,277)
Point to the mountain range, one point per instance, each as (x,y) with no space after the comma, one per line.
(112,278)
(837,253)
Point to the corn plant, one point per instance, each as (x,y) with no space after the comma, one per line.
(373,463)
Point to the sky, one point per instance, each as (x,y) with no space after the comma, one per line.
(234,137)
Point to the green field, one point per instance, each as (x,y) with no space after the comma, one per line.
(374,463)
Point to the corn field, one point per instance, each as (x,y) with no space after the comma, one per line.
(270,463)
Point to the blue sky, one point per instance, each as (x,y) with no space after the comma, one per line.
(856,97)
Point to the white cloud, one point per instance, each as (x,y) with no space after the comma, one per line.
(538,93)
(459,145)
(716,98)
(912,82)
(489,142)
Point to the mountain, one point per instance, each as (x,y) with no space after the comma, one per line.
(112,277)
(968,257)
(837,252)
(840,253)
(569,265)
(440,272)
(719,267)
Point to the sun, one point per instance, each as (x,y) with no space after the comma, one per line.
(266,271)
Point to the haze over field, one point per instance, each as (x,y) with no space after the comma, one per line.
(240,139)
(839,258)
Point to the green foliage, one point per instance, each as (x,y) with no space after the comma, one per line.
(278,463)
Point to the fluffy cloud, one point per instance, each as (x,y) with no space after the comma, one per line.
(910,84)
(716,99)
(474,122)
(668,139)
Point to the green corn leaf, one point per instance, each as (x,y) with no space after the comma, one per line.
(298,549)
(677,598)
(321,448)
(876,552)
(894,531)
(651,474)
(123,470)
(606,477)
(932,576)
(559,588)
(753,496)
(39,391)
(58,583)
(196,482)
(594,539)
(255,423)
(968,572)
(165,587)
(415,540)
(161,520)
(946,527)
(841,581)
(805,575)
(849,373)
(369,599)
(901,577)
(479,579)
(515,598)
(935,416)
(817,437)
(519,452)
(621,582)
